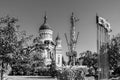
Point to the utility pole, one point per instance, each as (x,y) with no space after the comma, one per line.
(72,41)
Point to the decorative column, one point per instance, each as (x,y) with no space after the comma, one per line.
(72,41)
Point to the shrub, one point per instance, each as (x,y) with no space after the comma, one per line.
(72,73)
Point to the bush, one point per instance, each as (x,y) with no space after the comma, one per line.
(71,73)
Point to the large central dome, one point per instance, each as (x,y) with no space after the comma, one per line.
(45,31)
(45,25)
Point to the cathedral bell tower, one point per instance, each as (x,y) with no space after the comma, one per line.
(46,40)
(58,52)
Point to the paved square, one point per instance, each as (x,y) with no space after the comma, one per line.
(30,78)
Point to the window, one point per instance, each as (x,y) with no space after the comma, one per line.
(58,59)
(46,42)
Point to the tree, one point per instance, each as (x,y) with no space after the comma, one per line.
(11,41)
(37,61)
(8,39)
(21,59)
(86,56)
(114,53)
(90,60)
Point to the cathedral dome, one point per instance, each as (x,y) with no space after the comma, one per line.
(45,26)
(45,31)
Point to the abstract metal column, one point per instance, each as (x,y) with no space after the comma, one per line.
(72,41)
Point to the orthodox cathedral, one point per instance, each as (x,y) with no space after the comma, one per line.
(52,49)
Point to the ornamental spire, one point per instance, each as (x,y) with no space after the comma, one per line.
(58,37)
(45,18)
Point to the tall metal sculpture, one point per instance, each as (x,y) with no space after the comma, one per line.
(72,42)
(103,38)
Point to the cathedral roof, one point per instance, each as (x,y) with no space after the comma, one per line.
(45,24)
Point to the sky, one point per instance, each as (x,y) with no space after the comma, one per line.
(31,12)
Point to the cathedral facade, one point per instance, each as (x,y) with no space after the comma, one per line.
(52,50)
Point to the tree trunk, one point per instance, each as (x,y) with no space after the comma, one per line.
(2,71)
